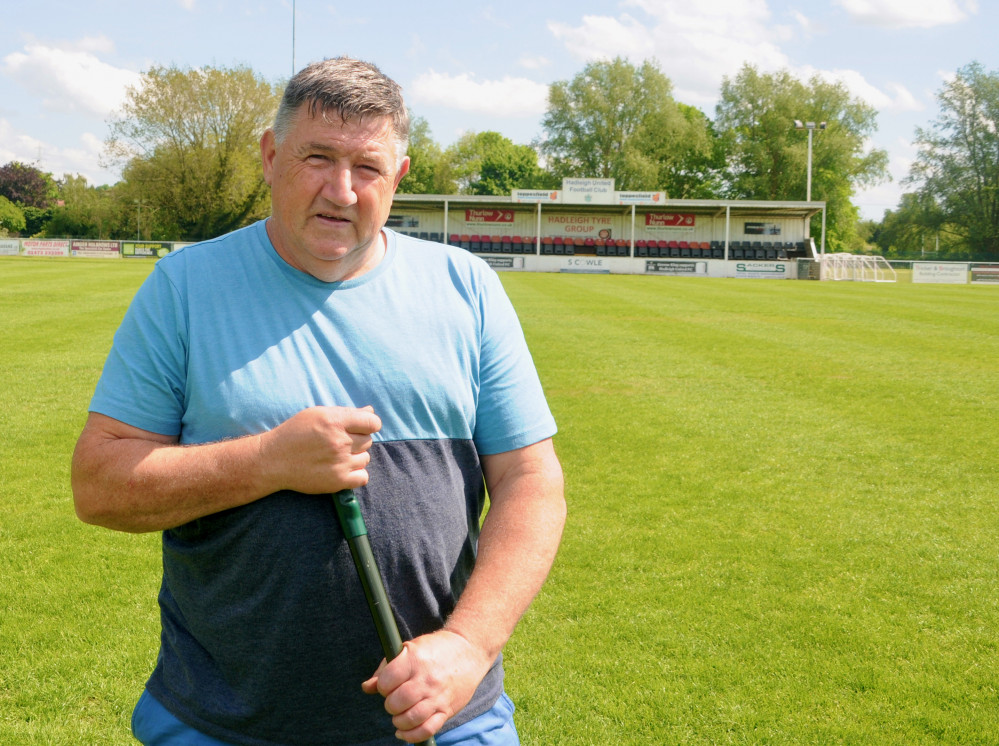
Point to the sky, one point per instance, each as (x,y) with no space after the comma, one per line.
(65,67)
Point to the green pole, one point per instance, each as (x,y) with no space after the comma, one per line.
(348,511)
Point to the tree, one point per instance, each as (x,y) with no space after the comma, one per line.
(914,229)
(614,120)
(957,165)
(188,144)
(768,158)
(85,211)
(26,185)
(35,220)
(428,171)
(11,217)
(489,163)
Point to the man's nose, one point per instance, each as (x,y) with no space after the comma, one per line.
(339,188)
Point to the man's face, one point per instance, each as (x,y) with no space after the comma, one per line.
(332,184)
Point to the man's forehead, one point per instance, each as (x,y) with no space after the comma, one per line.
(371,131)
(331,118)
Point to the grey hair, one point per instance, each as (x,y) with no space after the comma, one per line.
(349,88)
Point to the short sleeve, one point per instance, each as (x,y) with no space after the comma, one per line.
(512,411)
(143,381)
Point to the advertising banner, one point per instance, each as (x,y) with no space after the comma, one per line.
(586,265)
(641,198)
(588,191)
(535,195)
(505,262)
(400,222)
(474,215)
(144,249)
(947,273)
(762,270)
(45,247)
(761,229)
(583,226)
(659,221)
(96,249)
(9,247)
(664,267)
(985,274)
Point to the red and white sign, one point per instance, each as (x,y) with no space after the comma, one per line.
(42,247)
(96,249)
(582,225)
(669,220)
(473,215)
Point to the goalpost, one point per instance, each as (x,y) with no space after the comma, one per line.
(856,268)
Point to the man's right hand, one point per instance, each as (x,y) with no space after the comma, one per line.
(320,449)
(130,479)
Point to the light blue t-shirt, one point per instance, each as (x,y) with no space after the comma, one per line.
(266,634)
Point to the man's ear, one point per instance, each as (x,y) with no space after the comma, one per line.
(403,170)
(268,149)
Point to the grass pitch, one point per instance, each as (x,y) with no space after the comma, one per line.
(782,514)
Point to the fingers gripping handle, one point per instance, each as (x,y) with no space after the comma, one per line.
(348,511)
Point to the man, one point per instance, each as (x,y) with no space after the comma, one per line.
(257,373)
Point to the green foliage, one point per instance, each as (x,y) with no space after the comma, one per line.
(428,172)
(26,185)
(768,158)
(188,141)
(614,120)
(11,217)
(917,229)
(35,219)
(91,212)
(489,163)
(957,167)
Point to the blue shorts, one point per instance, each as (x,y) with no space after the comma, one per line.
(154,725)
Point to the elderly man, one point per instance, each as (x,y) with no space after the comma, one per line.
(257,373)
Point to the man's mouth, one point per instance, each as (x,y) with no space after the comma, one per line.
(336,219)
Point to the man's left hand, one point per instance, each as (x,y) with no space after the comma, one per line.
(432,678)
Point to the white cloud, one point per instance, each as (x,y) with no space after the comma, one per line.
(16,146)
(909,13)
(533,61)
(896,97)
(490,16)
(874,200)
(602,37)
(70,78)
(808,27)
(696,44)
(509,97)
(80,158)
(903,99)
(416,47)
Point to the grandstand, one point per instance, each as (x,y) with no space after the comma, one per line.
(616,232)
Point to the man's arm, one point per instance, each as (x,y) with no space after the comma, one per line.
(130,479)
(436,674)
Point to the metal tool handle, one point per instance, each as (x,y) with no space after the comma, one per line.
(348,511)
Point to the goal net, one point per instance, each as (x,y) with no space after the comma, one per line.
(856,268)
